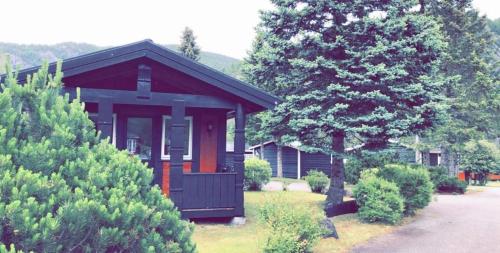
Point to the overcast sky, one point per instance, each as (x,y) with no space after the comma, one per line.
(221,26)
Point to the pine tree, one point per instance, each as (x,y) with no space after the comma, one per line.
(64,190)
(361,68)
(188,46)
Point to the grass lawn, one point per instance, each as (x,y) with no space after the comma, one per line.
(222,238)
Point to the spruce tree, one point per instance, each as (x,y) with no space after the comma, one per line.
(188,46)
(361,68)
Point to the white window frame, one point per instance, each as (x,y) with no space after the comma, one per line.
(113,141)
(189,156)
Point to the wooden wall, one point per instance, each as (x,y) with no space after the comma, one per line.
(318,161)
(308,161)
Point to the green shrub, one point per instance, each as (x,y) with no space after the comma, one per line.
(452,185)
(64,190)
(413,182)
(378,200)
(292,229)
(444,183)
(10,249)
(353,169)
(317,180)
(257,173)
(437,175)
(366,159)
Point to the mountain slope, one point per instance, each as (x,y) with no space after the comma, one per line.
(23,56)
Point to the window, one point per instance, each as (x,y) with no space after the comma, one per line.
(93,116)
(139,138)
(188,138)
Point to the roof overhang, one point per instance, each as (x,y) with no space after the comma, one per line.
(148,49)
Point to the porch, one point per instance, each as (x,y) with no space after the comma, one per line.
(185,144)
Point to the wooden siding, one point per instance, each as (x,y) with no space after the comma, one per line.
(290,159)
(209,190)
(165,188)
(271,155)
(318,161)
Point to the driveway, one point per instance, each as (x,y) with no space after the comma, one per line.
(452,223)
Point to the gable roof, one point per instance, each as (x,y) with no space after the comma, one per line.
(149,49)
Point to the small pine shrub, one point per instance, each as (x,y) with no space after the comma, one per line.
(414,184)
(378,200)
(62,189)
(257,173)
(317,180)
(10,249)
(452,185)
(292,229)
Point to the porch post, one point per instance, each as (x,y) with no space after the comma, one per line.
(105,118)
(239,158)
(177,151)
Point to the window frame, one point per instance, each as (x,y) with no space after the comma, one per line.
(113,137)
(189,156)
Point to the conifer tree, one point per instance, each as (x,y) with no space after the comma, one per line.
(473,92)
(64,190)
(188,46)
(360,68)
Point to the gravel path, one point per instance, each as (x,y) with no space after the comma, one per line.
(453,223)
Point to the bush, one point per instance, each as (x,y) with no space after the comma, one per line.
(413,182)
(64,190)
(366,159)
(292,229)
(437,175)
(378,200)
(257,173)
(444,183)
(353,169)
(452,185)
(10,249)
(317,180)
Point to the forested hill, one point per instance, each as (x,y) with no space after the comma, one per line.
(23,56)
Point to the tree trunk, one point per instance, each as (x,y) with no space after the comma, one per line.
(335,194)
(279,167)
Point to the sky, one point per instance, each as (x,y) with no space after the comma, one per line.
(221,26)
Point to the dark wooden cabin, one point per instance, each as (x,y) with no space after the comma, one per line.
(171,112)
(296,162)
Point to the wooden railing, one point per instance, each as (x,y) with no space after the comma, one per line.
(208,190)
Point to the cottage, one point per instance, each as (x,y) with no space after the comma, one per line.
(296,161)
(170,112)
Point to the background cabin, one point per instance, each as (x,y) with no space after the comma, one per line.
(170,112)
(296,162)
